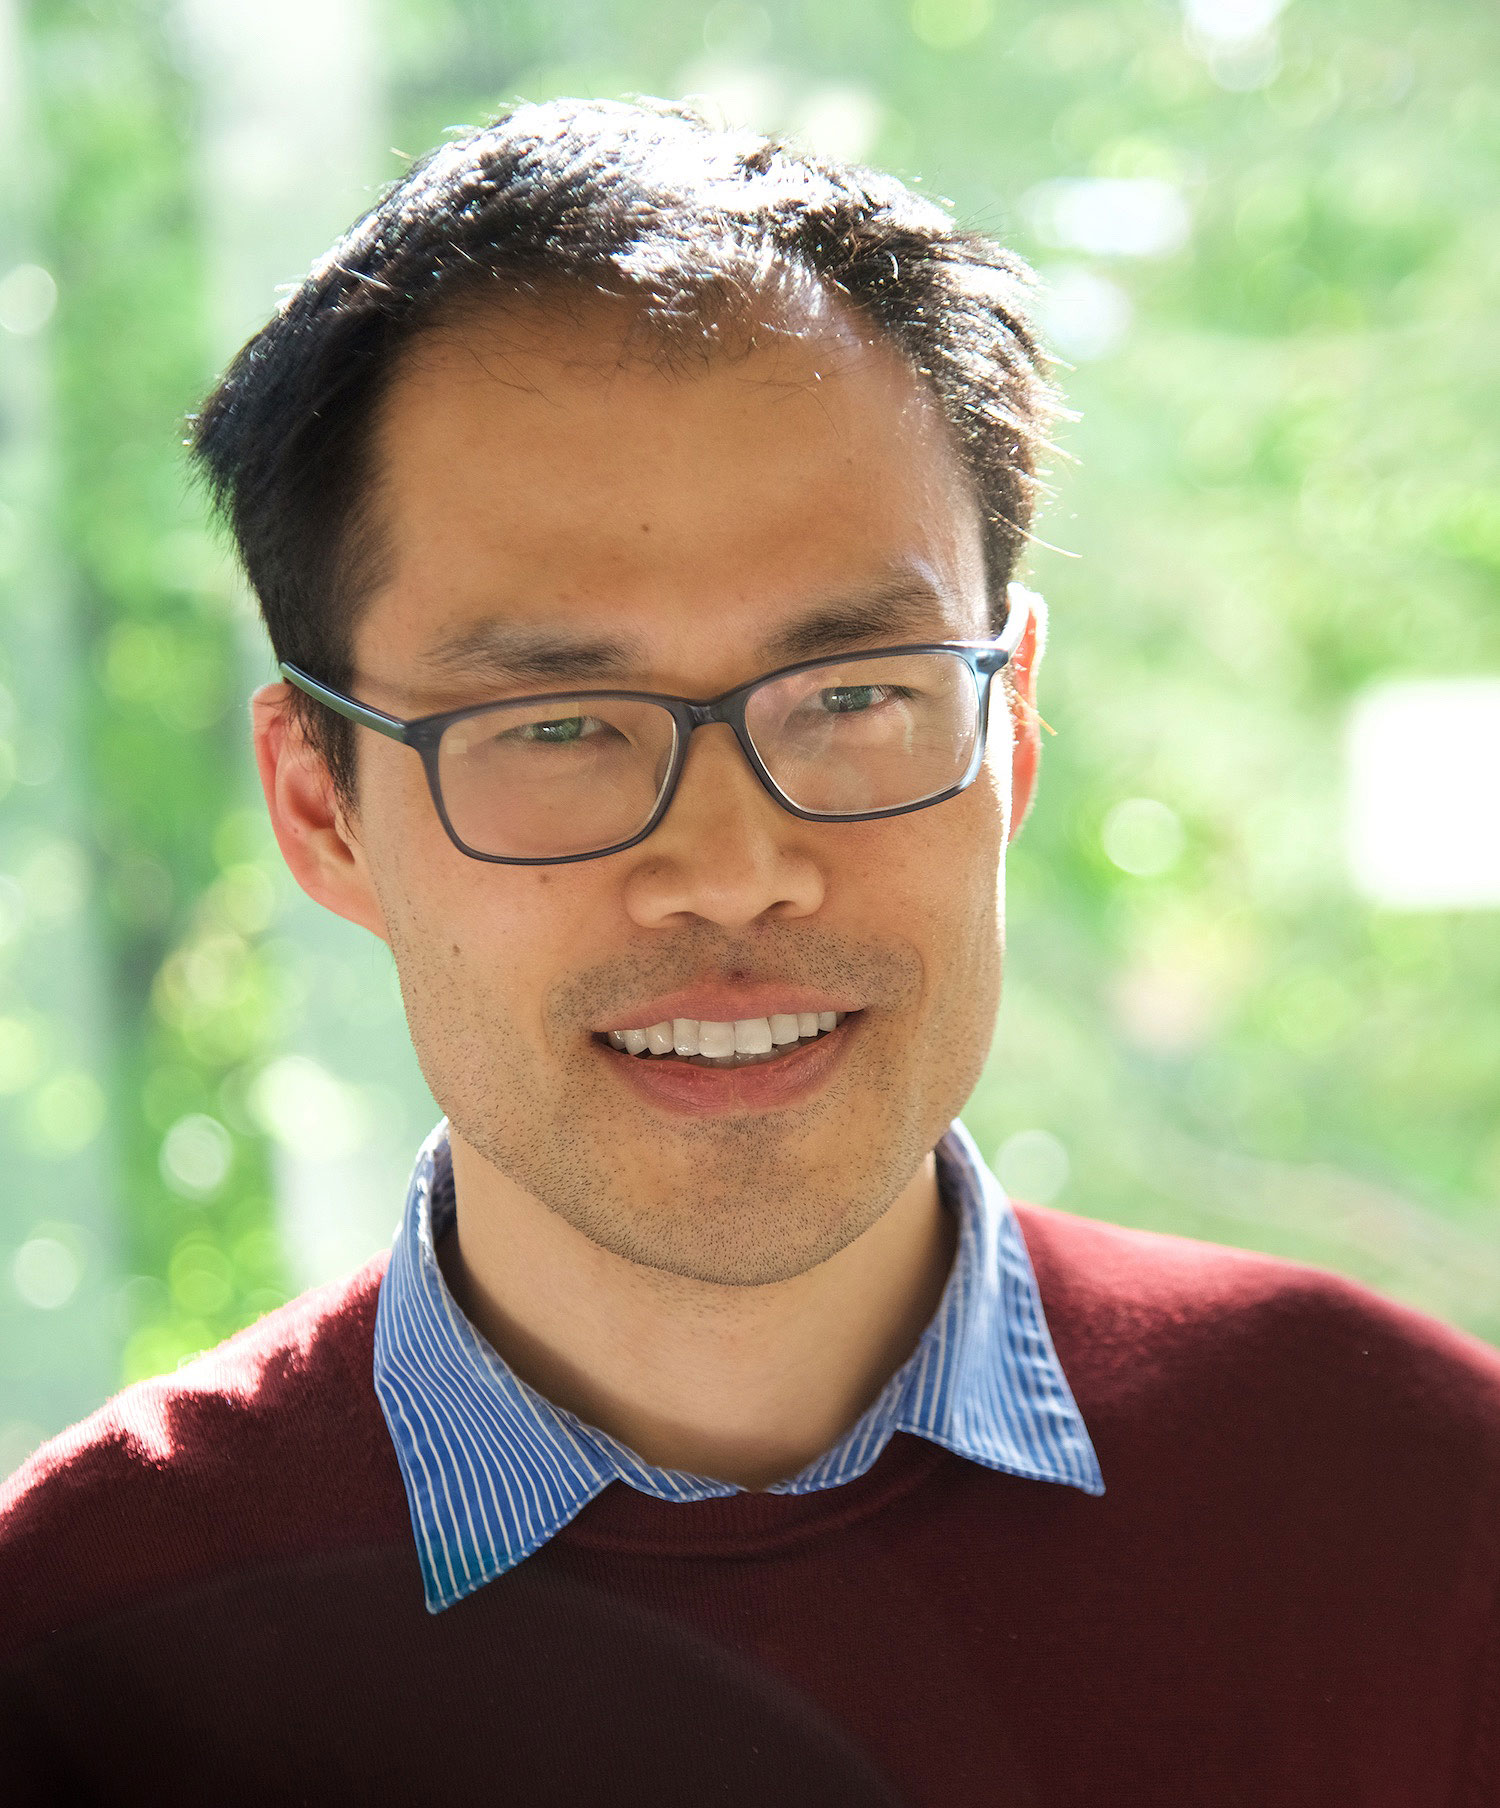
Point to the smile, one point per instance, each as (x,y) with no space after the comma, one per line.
(746,1042)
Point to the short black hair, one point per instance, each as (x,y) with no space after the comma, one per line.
(645,199)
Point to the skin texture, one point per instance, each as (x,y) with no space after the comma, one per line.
(725,1289)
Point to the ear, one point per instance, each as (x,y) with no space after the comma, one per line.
(316,837)
(1026,733)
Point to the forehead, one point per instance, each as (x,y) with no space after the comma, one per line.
(541,466)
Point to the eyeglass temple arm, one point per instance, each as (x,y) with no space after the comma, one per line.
(1020,603)
(345,706)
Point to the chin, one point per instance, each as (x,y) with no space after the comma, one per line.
(736,1202)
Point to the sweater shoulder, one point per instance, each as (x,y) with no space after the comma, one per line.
(1133,1310)
(268,1445)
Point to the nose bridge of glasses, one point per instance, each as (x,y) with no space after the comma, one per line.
(701,714)
(725,712)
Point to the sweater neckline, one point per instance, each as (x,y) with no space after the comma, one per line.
(624,1521)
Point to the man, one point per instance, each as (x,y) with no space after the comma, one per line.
(634,509)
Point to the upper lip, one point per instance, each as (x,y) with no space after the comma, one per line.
(725,1004)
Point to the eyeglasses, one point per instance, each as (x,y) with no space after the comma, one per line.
(574,775)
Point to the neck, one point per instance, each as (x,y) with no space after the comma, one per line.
(744,1384)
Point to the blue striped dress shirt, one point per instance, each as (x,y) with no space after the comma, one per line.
(493,1470)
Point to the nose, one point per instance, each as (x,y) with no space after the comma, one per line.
(725,852)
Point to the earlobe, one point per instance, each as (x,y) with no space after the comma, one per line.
(311,826)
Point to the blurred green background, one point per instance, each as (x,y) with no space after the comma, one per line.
(1270,244)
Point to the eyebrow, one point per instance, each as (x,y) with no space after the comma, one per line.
(900,606)
(509,653)
(502,652)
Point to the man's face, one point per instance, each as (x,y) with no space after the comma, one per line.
(549,494)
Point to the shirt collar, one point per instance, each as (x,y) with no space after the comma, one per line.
(493,1470)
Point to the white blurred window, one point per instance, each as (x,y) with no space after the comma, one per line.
(1423,807)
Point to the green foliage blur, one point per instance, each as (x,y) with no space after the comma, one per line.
(1279,484)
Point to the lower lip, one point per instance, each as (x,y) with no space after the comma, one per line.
(762,1086)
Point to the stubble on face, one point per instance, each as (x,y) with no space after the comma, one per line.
(742,1200)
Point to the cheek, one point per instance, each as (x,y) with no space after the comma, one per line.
(934,879)
(973,860)
(490,938)
(966,904)
(933,882)
(507,931)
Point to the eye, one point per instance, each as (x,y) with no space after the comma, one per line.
(558,732)
(855,699)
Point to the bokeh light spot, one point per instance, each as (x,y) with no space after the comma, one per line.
(67,1113)
(308,1110)
(1110,216)
(55,880)
(28,296)
(1143,837)
(839,120)
(1033,1165)
(949,24)
(1083,315)
(200,1277)
(45,1273)
(195,1156)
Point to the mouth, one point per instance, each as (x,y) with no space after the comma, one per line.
(704,1043)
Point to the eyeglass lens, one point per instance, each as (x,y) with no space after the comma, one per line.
(543,781)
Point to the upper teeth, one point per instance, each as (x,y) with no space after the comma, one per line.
(745,1036)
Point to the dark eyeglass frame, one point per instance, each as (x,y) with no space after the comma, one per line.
(984,658)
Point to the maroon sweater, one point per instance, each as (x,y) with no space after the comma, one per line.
(209,1592)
